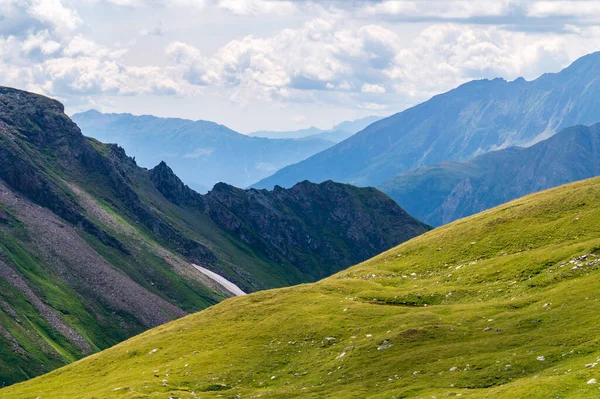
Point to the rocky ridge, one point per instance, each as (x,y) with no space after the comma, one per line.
(95,249)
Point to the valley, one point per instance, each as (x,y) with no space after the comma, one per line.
(269,199)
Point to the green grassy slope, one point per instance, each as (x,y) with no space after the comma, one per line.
(95,249)
(503,304)
(56,308)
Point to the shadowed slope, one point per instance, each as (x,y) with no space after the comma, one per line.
(444,192)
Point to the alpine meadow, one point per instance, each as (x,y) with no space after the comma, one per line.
(247,199)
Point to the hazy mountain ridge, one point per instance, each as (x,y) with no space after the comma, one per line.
(472,119)
(92,252)
(441,193)
(202,153)
(336,134)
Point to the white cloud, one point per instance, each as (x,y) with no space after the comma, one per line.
(450,9)
(183,3)
(125,3)
(41,43)
(337,54)
(55,13)
(19,17)
(87,75)
(182,53)
(444,56)
(80,46)
(255,7)
(152,3)
(302,65)
(368,88)
(49,54)
(373,106)
(77,68)
(319,56)
(577,8)
(165,86)
(238,7)
(345,86)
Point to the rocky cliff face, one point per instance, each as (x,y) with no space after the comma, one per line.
(329,222)
(95,249)
(311,227)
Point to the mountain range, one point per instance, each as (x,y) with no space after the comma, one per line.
(202,153)
(441,193)
(100,254)
(339,132)
(477,117)
(95,249)
(499,305)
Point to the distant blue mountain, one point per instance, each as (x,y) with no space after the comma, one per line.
(356,125)
(470,120)
(291,134)
(336,134)
(441,193)
(201,153)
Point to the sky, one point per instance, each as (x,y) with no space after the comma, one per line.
(280,64)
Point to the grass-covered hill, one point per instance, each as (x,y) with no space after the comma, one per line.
(503,304)
(94,249)
(441,193)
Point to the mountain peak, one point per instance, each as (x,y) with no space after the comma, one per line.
(28,101)
(95,248)
(220,186)
(170,186)
(45,121)
(474,118)
(163,166)
(91,111)
(579,72)
(588,59)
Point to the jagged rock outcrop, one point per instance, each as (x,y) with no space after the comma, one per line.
(314,228)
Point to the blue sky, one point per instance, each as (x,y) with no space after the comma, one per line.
(266,64)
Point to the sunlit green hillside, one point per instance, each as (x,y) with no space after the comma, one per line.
(500,305)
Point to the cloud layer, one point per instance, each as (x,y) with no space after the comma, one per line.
(352,55)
